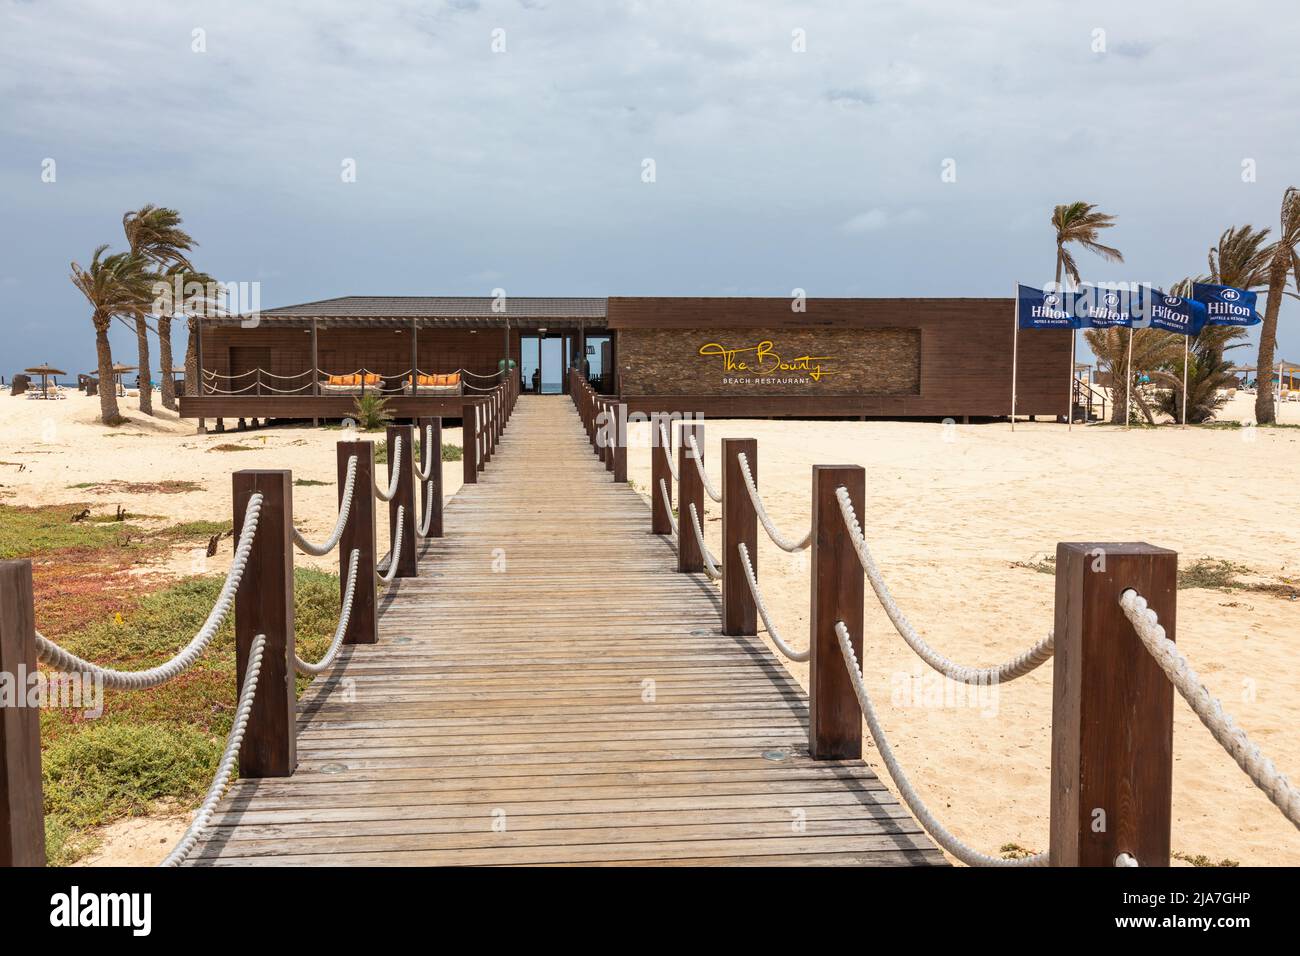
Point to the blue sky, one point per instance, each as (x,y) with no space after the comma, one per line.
(774,169)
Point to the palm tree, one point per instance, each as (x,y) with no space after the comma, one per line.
(154,233)
(1152,349)
(118,284)
(1080,223)
(1208,372)
(1283,259)
(178,275)
(1241,258)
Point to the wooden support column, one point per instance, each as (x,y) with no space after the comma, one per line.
(690,489)
(315,359)
(468,443)
(739,526)
(22,805)
(660,470)
(620,443)
(1112,708)
(407,566)
(611,434)
(359,534)
(486,427)
(433,453)
(834,719)
(264,605)
(415,356)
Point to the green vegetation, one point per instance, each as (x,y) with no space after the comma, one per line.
(372,412)
(310,483)
(1046,565)
(147,746)
(449,453)
(1014,851)
(1200,859)
(230,447)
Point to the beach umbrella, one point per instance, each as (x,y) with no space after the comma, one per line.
(44,371)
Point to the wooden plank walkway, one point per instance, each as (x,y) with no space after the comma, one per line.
(550,691)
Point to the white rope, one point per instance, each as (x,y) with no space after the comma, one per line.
(772,632)
(396,469)
(1209,709)
(937,830)
(425,469)
(226,768)
(1018,666)
(709,561)
(699,466)
(668,505)
(345,615)
(666,441)
(394,556)
(345,509)
(778,539)
(63,660)
(428,511)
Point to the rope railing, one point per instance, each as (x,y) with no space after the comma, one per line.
(1208,708)
(389,493)
(752,580)
(1020,665)
(710,562)
(345,615)
(791,545)
(345,511)
(698,457)
(425,468)
(229,758)
(65,661)
(668,505)
(427,522)
(941,834)
(391,560)
(668,443)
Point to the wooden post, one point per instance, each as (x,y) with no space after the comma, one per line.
(739,526)
(834,719)
(407,567)
(415,357)
(620,443)
(1112,708)
(359,534)
(487,429)
(468,443)
(433,446)
(660,470)
(264,605)
(315,360)
(690,490)
(22,804)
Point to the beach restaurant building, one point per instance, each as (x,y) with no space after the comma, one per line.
(721,357)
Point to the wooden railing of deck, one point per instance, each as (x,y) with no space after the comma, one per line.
(262,587)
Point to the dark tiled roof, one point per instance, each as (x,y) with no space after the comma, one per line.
(442,306)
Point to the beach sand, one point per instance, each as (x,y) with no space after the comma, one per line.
(950,513)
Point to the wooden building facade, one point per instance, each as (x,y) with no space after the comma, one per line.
(723,357)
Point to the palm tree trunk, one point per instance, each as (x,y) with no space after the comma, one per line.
(108,413)
(168,383)
(146,386)
(192,359)
(1265,411)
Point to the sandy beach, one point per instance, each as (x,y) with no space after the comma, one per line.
(956,515)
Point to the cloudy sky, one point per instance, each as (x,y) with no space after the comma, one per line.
(775,168)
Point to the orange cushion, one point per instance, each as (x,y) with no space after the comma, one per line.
(373,379)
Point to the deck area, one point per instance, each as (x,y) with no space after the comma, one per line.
(550,691)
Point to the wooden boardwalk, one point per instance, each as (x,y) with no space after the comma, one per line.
(550,691)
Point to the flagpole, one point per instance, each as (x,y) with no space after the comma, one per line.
(1185,350)
(1069,408)
(1128,379)
(1015,356)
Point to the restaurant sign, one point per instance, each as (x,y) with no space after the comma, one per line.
(762,364)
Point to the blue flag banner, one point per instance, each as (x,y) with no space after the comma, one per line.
(1173,313)
(1100,308)
(1045,310)
(1225,305)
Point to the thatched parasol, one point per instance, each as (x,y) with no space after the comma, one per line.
(45,371)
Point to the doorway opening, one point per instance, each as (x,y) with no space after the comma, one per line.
(544,359)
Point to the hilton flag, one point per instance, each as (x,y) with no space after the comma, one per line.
(1045,310)
(1099,308)
(1225,305)
(1173,313)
